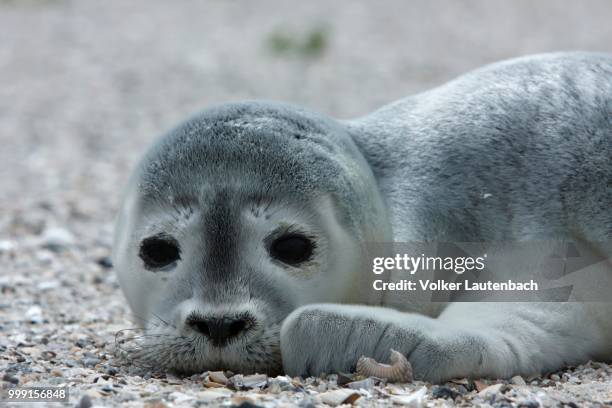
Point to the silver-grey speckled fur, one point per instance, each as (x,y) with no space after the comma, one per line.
(534,134)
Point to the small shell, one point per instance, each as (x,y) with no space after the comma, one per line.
(212,384)
(255,380)
(367,384)
(218,377)
(339,397)
(480,385)
(400,369)
(241,382)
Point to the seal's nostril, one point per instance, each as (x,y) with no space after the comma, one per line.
(220,330)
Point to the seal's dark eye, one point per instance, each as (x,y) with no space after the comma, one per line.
(159,251)
(292,249)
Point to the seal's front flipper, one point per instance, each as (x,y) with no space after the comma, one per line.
(495,340)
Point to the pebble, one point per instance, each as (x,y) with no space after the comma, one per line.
(462,389)
(57,239)
(70,363)
(528,404)
(444,392)
(239,381)
(367,384)
(85,402)
(518,380)
(492,389)
(6,246)
(151,388)
(34,314)
(279,384)
(48,285)
(342,379)
(218,377)
(413,400)
(128,396)
(179,397)
(274,388)
(105,262)
(112,371)
(211,395)
(56,373)
(10,378)
(82,343)
(45,258)
(91,362)
(155,403)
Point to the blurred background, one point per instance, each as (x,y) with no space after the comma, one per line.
(87,85)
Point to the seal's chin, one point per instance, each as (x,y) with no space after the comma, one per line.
(163,349)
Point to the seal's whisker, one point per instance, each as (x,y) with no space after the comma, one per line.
(146,321)
(158,351)
(163,321)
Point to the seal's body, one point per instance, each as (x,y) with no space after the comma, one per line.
(247,224)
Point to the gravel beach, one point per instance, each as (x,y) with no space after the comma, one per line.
(88,85)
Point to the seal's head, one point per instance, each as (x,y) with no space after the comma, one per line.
(234,219)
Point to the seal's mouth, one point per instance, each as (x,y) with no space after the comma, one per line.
(162,349)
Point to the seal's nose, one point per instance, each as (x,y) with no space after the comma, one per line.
(220,330)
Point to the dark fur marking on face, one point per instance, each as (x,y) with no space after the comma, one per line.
(220,233)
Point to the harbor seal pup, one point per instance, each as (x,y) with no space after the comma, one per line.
(241,231)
